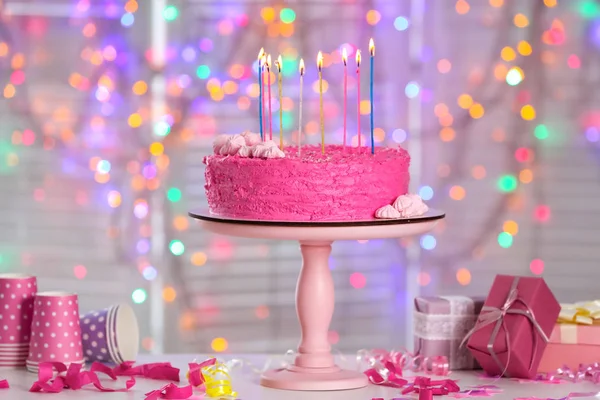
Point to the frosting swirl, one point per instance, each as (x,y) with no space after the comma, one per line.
(410,205)
(252,139)
(245,151)
(220,142)
(233,145)
(387,212)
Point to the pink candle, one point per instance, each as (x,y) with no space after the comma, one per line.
(345,59)
(358,96)
(269,84)
(264,61)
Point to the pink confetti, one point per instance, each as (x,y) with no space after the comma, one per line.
(195,376)
(73,378)
(172,392)
(427,388)
(160,371)
(4,384)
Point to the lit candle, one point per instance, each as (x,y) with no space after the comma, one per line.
(262,78)
(301,67)
(345,59)
(260,91)
(372,51)
(358,96)
(279,81)
(320,66)
(269,85)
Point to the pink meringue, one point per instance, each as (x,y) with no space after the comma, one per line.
(387,212)
(233,145)
(410,205)
(252,139)
(220,142)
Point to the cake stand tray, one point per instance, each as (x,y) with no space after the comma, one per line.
(314,368)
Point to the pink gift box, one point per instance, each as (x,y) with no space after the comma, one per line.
(571,345)
(440,325)
(514,326)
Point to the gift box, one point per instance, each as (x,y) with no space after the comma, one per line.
(514,326)
(440,325)
(575,338)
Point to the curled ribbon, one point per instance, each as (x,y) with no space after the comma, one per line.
(585,372)
(386,367)
(426,388)
(161,371)
(73,378)
(172,392)
(4,384)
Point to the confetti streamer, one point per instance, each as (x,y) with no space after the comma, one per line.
(4,384)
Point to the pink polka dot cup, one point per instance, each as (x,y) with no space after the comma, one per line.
(55,330)
(111,335)
(17,292)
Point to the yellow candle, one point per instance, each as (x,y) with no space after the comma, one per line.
(320,66)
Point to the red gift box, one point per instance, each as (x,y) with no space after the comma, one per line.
(514,325)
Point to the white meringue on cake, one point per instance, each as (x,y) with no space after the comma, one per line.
(387,212)
(266,150)
(252,139)
(233,145)
(219,142)
(245,151)
(410,205)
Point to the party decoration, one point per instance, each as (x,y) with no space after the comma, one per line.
(16,294)
(159,370)
(372,52)
(575,339)
(301,70)
(358,58)
(321,115)
(73,378)
(345,60)
(440,325)
(269,63)
(4,384)
(513,346)
(427,388)
(260,91)
(55,330)
(172,392)
(110,335)
(279,64)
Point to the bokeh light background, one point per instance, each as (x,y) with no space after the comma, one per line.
(108,108)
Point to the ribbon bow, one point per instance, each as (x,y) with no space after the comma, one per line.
(494,315)
(427,388)
(583,313)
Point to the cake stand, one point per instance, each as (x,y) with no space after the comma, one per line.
(314,367)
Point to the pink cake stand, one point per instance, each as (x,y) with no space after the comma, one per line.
(314,367)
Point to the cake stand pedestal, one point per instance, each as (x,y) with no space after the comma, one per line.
(314,367)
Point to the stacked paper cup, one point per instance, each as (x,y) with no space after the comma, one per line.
(16,310)
(110,335)
(55,330)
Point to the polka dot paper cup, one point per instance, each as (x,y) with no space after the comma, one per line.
(55,331)
(16,310)
(110,335)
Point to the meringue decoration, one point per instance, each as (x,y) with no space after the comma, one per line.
(387,212)
(220,142)
(252,139)
(245,151)
(267,151)
(410,205)
(233,145)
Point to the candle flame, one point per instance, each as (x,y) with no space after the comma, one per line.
(261,53)
(279,63)
(358,58)
(372,47)
(301,67)
(320,60)
(263,59)
(345,56)
(269,62)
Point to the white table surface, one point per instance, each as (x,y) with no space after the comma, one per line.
(246,384)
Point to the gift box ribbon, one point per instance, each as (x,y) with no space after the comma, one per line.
(494,315)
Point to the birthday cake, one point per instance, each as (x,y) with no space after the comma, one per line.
(248,178)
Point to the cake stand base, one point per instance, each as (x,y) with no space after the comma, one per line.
(313,379)
(314,367)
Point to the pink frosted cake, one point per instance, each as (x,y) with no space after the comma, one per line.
(250,179)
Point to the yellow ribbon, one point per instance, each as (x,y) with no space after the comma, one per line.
(582,313)
(217,380)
